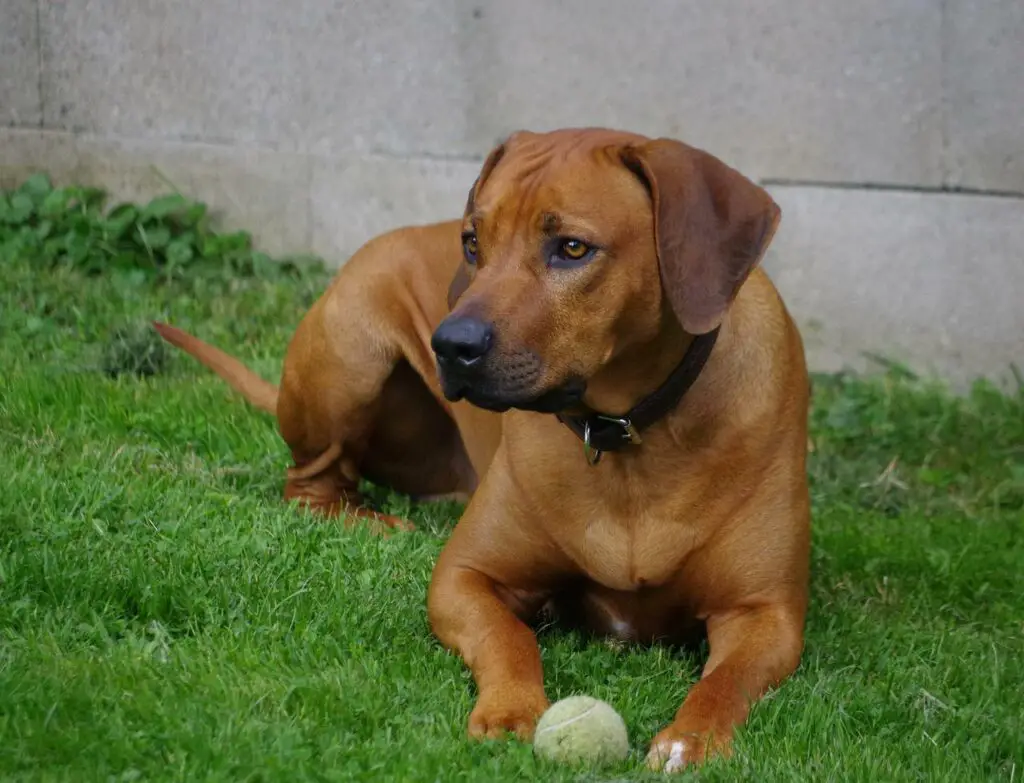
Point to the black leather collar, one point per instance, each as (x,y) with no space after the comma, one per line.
(600,432)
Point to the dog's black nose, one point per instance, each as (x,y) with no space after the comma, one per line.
(462,340)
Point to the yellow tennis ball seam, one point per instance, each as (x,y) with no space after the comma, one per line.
(569,721)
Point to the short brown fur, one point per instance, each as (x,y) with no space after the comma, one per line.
(704,524)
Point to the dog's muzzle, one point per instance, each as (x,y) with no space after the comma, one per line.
(470,367)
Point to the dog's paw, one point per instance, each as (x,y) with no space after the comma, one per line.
(385,524)
(379,524)
(667,755)
(514,708)
(673,749)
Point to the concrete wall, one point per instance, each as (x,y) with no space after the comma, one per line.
(890,131)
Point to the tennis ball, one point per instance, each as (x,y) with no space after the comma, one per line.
(581,729)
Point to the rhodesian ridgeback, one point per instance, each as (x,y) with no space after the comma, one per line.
(592,357)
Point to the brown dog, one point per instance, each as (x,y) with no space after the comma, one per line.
(648,477)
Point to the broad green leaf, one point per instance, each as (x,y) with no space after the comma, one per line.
(56,202)
(119,220)
(36,187)
(21,210)
(154,236)
(239,240)
(52,248)
(43,229)
(78,247)
(179,252)
(192,216)
(93,198)
(162,206)
(211,246)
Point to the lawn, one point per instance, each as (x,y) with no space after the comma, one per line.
(165,616)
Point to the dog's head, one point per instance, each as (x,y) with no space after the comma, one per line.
(582,245)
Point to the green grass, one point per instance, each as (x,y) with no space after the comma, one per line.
(164,616)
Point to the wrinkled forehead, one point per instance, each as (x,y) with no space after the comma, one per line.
(543,180)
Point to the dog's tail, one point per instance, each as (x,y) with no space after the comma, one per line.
(255,389)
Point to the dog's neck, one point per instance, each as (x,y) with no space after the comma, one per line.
(637,370)
(613,420)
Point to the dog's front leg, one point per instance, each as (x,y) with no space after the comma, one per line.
(470,617)
(752,650)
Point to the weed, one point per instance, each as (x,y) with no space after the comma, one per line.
(167,238)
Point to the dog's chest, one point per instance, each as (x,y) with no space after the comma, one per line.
(629,552)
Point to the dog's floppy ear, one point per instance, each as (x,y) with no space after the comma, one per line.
(712,225)
(461,280)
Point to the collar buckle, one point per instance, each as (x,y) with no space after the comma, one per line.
(600,432)
(629,432)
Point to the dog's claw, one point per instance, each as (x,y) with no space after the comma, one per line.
(382,524)
(667,756)
(510,710)
(674,749)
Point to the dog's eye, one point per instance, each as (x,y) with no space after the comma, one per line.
(469,247)
(574,249)
(571,252)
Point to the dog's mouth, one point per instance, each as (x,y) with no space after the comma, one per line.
(498,396)
(555,400)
